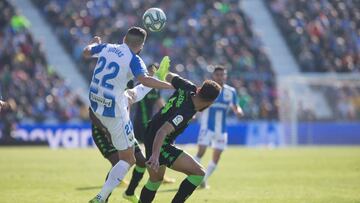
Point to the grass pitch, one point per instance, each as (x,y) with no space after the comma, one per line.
(322,174)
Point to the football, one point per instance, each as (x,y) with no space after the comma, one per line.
(154,19)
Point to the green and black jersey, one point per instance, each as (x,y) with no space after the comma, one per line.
(178,111)
(143,113)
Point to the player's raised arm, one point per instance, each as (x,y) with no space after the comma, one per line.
(139,70)
(153,82)
(93,48)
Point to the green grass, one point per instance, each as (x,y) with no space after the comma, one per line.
(322,174)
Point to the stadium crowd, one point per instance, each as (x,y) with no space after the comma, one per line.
(345,100)
(27,80)
(205,33)
(324,35)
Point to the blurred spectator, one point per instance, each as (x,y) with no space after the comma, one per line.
(344,100)
(324,35)
(27,80)
(198,34)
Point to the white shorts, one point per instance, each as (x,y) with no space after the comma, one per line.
(210,138)
(120,129)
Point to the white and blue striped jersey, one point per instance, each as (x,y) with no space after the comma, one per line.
(214,118)
(116,65)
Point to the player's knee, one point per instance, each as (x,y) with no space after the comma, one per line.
(113,158)
(202,172)
(131,160)
(199,171)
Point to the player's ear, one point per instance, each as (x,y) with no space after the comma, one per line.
(124,39)
(198,90)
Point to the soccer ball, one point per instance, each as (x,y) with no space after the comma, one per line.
(154,19)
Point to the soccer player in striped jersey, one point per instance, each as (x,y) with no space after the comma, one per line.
(116,65)
(213,122)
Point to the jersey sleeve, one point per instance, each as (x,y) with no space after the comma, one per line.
(95,50)
(180,83)
(137,66)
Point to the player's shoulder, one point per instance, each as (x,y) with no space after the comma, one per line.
(228,87)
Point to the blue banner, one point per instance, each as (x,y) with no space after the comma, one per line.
(64,135)
(257,133)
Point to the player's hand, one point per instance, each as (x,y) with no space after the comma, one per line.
(153,162)
(96,40)
(239,113)
(163,68)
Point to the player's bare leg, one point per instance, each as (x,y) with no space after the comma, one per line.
(211,167)
(137,175)
(186,164)
(116,174)
(149,190)
(200,153)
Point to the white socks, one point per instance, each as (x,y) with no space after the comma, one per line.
(210,169)
(116,174)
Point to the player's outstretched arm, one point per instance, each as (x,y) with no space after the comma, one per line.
(153,82)
(87,50)
(164,130)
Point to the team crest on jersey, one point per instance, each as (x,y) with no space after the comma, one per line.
(178,119)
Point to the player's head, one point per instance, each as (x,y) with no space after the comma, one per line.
(152,68)
(209,91)
(220,74)
(135,39)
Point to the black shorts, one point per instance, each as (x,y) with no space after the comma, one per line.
(168,153)
(104,144)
